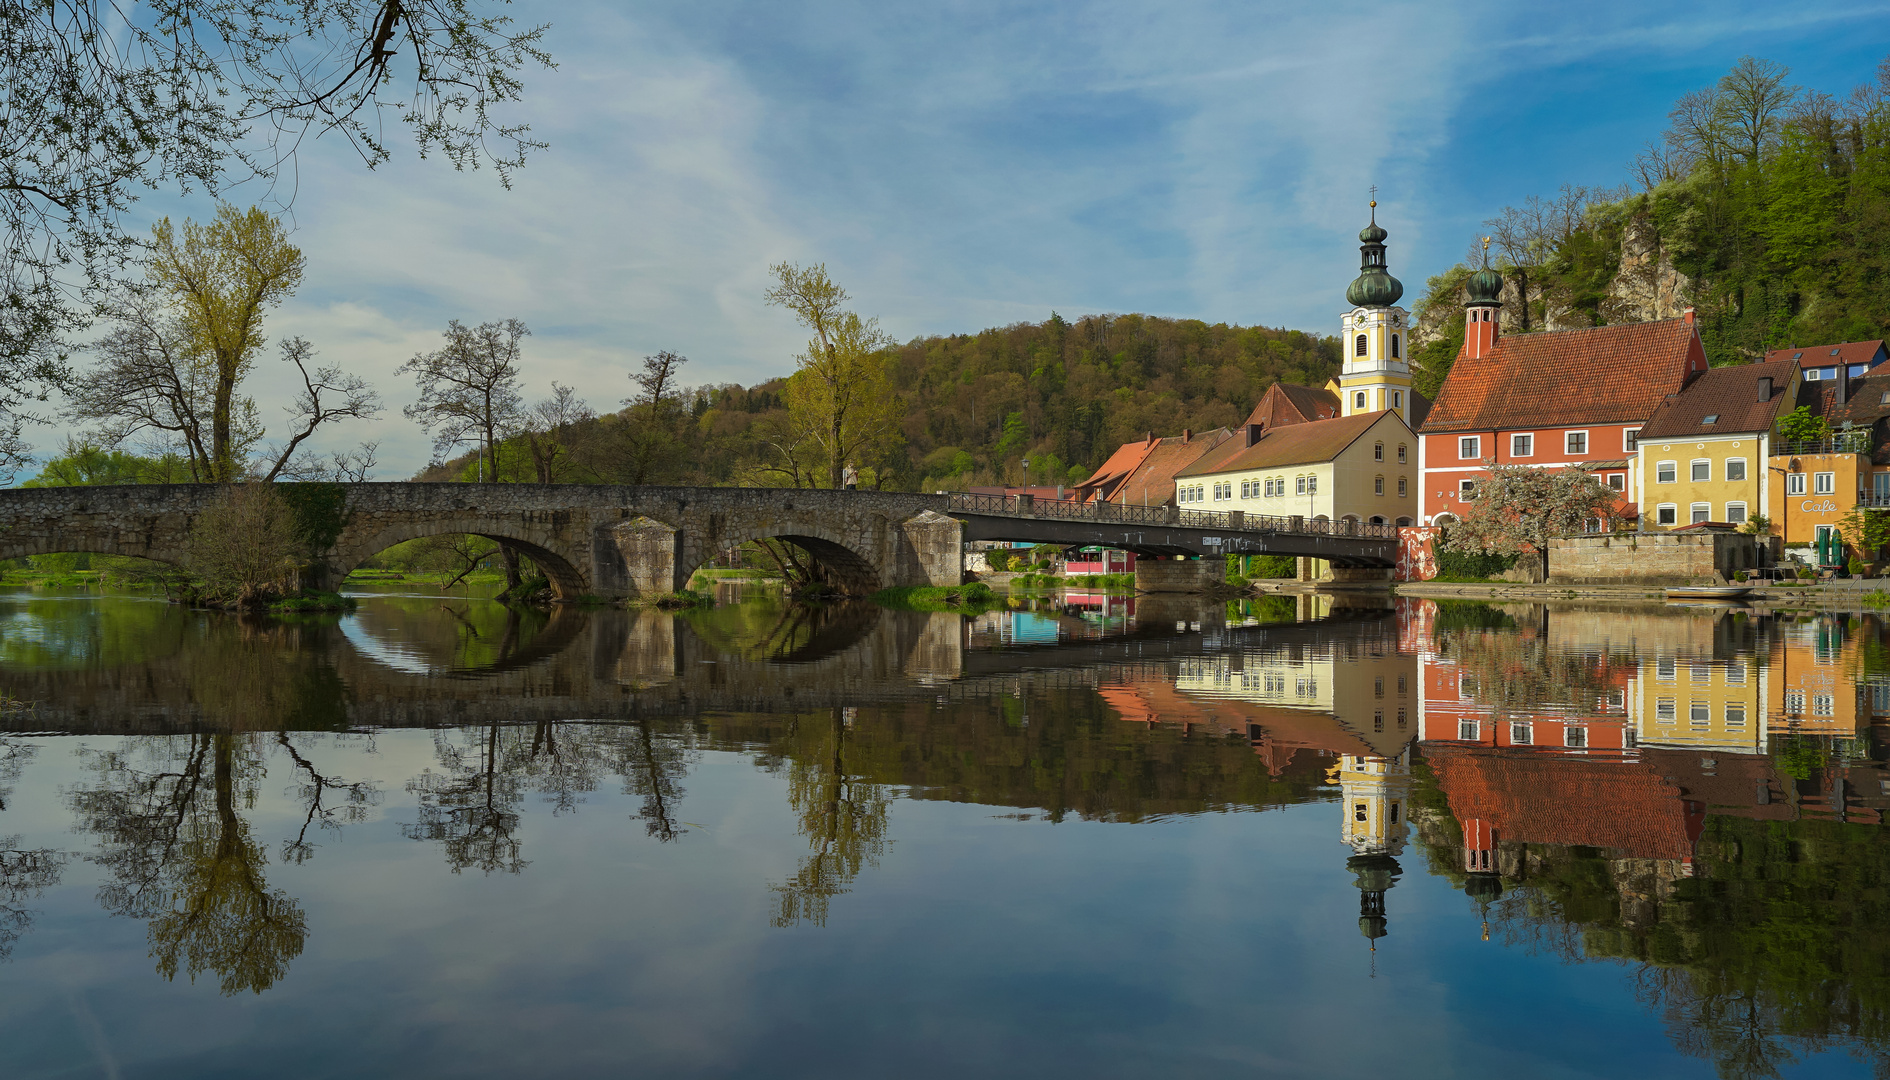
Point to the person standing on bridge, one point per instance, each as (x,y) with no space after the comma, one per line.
(850,477)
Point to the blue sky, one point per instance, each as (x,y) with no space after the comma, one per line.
(959,165)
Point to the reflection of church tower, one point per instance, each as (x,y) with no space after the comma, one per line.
(1376,375)
(1375,793)
(1479,862)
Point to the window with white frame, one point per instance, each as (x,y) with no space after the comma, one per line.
(1699,713)
(1378,451)
(1631,439)
(1664,710)
(1470,447)
(1795,483)
(1312,485)
(1736,513)
(1401,457)
(1466,490)
(1736,714)
(1300,485)
(1794,702)
(1699,512)
(1378,485)
(1666,472)
(1823,705)
(1522,445)
(1575,442)
(1358,400)
(1665,668)
(1520,734)
(1467,730)
(1736,673)
(1666,514)
(1736,468)
(1702,470)
(1824,483)
(1617,481)
(1574,736)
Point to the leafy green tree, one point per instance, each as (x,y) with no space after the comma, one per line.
(85,464)
(1519,509)
(841,401)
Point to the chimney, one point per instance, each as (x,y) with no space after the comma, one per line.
(1765,388)
(1254,431)
(1187,434)
(1843,383)
(1688,316)
(1149,438)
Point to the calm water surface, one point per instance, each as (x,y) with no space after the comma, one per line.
(1090,836)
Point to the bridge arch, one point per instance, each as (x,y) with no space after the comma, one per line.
(88,543)
(832,552)
(567,581)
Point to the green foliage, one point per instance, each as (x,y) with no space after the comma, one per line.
(998,559)
(1273,566)
(313,600)
(1470,565)
(320,511)
(1431,363)
(1801,425)
(85,464)
(975,596)
(1469,615)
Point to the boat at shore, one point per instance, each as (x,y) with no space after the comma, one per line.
(1709,592)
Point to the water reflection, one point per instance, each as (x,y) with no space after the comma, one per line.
(1698,799)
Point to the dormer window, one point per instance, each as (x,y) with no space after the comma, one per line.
(1711,418)
(1813,374)
(1886,398)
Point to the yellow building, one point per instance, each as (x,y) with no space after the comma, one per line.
(1698,702)
(1706,453)
(1374,696)
(1361,467)
(1375,793)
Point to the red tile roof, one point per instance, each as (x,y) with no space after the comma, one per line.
(1143,473)
(1544,797)
(1848,353)
(1286,403)
(1730,395)
(1295,444)
(1610,374)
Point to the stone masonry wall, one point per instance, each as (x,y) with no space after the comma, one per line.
(1179,575)
(1649,558)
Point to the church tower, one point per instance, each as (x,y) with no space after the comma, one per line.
(1375,793)
(1376,375)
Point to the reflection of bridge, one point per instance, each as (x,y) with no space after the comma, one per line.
(628,541)
(615,665)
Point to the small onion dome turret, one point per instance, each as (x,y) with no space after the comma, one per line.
(1483,887)
(1486,285)
(1374,286)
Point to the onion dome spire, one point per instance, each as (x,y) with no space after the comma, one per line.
(1486,285)
(1374,286)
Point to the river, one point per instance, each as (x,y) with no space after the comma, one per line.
(1088,835)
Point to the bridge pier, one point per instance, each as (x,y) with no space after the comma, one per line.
(1179,575)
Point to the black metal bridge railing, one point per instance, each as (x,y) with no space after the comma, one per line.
(1024,506)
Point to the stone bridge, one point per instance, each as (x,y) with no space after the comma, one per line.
(617,541)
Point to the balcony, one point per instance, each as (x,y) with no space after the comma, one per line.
(1842,442)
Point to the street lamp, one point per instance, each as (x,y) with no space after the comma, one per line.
(1026,472)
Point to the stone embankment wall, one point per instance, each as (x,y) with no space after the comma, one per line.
(1179,575)
(1650,558)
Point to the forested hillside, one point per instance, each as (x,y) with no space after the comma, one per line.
(1063,393)
(1764,205)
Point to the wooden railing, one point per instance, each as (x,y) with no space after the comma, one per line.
(1024,506)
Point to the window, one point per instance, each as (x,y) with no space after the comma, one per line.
(1701,671)
(1702,471)
(1466,490)
(1378,686)
(1575,442)
(1401,720)
(1736,513)
(1736,674)
(1470,447)
(1794,702)
(1394,346)
(1575,736)
(1666,514)
(1736,468)
(1401,456)
(1710,419)
(1795,483)
(1736,715)
(1664,710)
(1699,713)
(1666,472)
(1467,730)
(1522,445)
(1617,699)
(1699,512)
(1312,485)
(1617,481)
(1358,346)
(1378,719)
(1823,705)
(1519,734)
(1880,486)
(1300,485)
(1397,396)
(1358,812)
(1664,668)
(1378,485)
(1358,400)
(1824,483)
(1812,375)
(1402,492)
(1246,489)
(1631,439)
(1378,451)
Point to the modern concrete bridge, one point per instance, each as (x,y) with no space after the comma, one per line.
(616,541)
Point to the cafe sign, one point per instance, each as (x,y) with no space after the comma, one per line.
(1819,506)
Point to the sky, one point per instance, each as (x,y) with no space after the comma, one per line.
(960,165)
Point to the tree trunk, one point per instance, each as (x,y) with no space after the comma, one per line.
(509,555)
